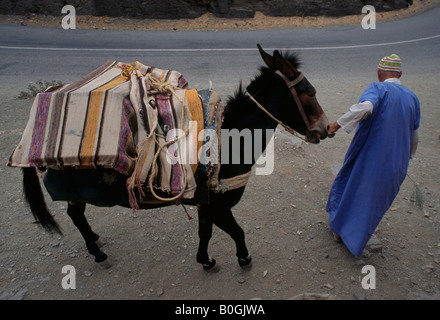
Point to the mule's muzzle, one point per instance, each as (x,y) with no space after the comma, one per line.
(313,137)
(318,132)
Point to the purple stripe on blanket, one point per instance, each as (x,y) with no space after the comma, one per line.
(39,130)
(182,82)
(165,113)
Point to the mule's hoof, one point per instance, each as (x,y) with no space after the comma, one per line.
(106,264)
(99,243)
(100,257)
(211,266)
(245,262)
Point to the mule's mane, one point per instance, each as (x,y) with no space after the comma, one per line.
(293,58)
(236,105)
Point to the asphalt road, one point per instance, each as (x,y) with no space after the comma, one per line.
(226,57)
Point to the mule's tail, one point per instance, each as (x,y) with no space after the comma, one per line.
(35,199)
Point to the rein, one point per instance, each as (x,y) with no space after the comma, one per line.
(291,85)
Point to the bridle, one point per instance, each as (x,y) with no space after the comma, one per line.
(291,85)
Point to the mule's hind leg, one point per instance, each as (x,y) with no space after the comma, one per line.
(76,211)
(224,219)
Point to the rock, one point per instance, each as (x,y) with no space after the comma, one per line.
(55,243)
(336,168)
(359,296)
(428,268)
(374,244)
(359,262)
(313,296)
(328,286)
(16,293)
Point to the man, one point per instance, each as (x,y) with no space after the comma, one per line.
(387,117)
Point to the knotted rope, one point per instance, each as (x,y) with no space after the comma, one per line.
(163,87)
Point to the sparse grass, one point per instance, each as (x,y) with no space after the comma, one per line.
(417,195)
(39,86)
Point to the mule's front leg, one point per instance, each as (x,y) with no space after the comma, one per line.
(76,211)
(205,234)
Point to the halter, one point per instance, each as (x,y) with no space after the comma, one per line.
(291,85)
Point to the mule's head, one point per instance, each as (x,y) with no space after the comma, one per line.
(308,118)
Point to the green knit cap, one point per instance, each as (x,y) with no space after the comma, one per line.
(390,63)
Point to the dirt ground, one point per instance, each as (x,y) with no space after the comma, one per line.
(210,22)
(283,216)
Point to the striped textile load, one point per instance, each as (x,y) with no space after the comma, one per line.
(118,116)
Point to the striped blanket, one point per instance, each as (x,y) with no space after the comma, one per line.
(117,116)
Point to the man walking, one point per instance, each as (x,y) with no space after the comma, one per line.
(387,118)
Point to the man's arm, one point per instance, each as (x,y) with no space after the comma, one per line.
(352,117)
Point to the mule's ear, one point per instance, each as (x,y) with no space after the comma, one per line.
(284,65)
(267,58)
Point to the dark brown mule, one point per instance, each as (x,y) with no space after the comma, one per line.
(279,94)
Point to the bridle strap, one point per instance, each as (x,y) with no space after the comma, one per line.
(291,85)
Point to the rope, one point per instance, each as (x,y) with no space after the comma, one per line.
(127,70)
(233,183)
(285,126)
(165,87)
(153,172)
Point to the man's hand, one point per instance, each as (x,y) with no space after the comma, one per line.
(333,127)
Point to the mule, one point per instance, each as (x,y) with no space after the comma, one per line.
(280,94)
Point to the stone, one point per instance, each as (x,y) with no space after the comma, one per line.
(15,293)
(374,245)
(313,296)
(428,268)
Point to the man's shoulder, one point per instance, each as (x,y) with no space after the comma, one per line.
(392,86)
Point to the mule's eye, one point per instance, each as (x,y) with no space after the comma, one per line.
(312,94)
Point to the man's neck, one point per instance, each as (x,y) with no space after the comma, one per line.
(393,80)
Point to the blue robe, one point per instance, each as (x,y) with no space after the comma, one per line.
(375,164)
